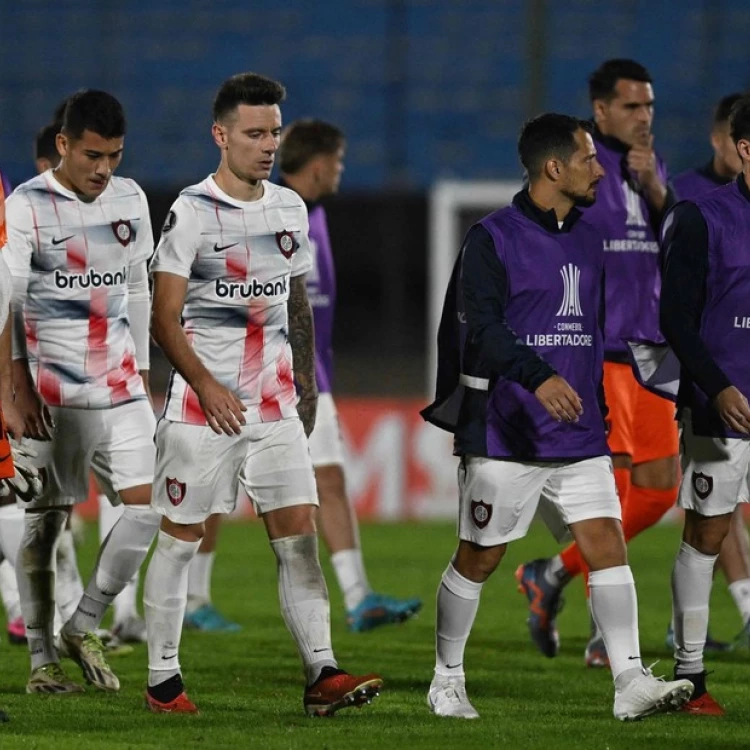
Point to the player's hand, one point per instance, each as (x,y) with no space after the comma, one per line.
(559,399)
(37,421)
(222,408)
(641,160)
(307,407)
(733,410)
(14,424)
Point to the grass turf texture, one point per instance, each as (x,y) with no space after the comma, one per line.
(249,685)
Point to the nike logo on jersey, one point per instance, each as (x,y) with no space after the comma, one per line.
(55,241)
(220,248)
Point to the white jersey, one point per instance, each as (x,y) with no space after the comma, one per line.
(238,258)
(5,293)
(75,259)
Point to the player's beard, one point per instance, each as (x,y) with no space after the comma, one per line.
(581,200)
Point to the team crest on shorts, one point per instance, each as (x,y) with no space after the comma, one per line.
(175,491)
(481,513)
(286,242)
(123,231)
(702,484)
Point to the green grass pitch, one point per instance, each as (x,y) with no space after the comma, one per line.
(249,685)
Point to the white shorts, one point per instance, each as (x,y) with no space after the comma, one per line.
(117,444)
(498,499)
(326,445)
(198,472)
(715,472)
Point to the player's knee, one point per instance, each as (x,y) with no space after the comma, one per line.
(330,483)
(186,532)
(660,474)
(601,543)
(477,563)
(41,532)
(706,533)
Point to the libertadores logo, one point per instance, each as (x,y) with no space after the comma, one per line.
(571,301)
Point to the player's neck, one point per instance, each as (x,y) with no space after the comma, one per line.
(722,169)
(550,200)
(303,186)
(63,179)
(234,187)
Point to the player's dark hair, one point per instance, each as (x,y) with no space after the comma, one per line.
(739,119)
(723,109)
(548,136)
(45,146)
(59,113)
(96,111)
(303,140)
(603,80)
(246,88)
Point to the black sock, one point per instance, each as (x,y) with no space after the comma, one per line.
(167,691)
(325,673)
(699,681)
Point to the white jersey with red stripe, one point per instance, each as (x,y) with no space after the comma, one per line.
(72,259)
(238,258)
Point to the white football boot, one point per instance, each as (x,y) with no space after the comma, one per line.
(645,695)
(447,697)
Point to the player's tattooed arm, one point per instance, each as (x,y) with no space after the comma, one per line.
(302,341)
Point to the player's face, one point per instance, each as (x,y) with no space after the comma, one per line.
(582,173)
(728,162)
(88,162)
(329,170)
(628,115)
(249,139)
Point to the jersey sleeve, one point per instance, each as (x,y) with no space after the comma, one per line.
(143,247)
(20,243)
(178,245)
(302,260)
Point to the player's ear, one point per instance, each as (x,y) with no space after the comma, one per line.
(743,149)
(552,169)
(61,143)
(600,110)
(219,132)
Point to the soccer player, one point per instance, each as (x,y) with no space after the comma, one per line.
(642,434)
(231,314)
(311,161)
(128,626)
(722,168)
(706,283)
(78,242)
(520,386)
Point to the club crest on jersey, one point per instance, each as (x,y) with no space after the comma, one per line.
(176,491)
(481,513)
(123,231)
(286,242)
(702,484)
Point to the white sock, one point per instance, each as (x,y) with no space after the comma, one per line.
(304,601)
(109,515)
(199,580)
(35,569)
(11,531)
(124,605)
(164,599)
(68,586)
(350,574)
(9,591)
(740,591)
(614,607)
(692,578)
(556,574)
(457,605)
(119,560)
